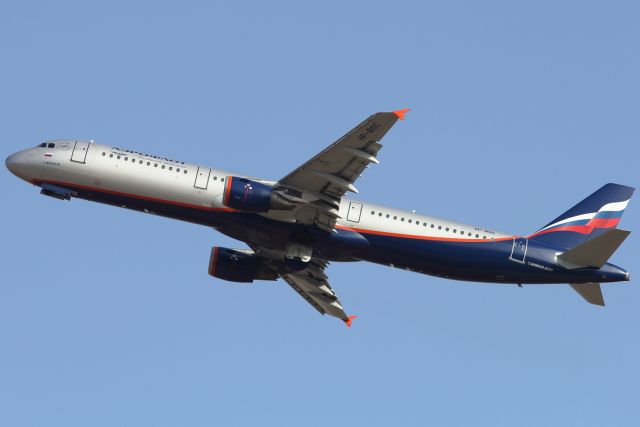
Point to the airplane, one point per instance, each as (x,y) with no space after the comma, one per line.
(295,226)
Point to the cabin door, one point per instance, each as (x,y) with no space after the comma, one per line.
(519,249)
(80,151)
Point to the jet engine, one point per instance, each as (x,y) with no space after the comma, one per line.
(252,196)
(242,266)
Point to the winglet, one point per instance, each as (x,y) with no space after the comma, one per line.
(349,320)
(401,113)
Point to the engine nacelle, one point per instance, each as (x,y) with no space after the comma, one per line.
(239,266)
(252,196)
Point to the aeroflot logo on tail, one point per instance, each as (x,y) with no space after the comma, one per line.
(607,216)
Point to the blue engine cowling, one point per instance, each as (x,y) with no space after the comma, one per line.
(246,195)
(239,266)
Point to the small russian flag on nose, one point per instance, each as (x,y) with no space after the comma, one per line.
(48,154)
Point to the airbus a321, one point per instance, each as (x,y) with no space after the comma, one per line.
(295,226)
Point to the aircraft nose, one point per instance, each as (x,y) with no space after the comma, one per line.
(12,163)
(18,164)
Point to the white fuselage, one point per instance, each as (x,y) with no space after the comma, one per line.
(126,172)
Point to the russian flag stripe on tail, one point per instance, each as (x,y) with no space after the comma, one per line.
(600,211)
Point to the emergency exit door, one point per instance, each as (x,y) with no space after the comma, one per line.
(355,209)
(80,152)
(202,178)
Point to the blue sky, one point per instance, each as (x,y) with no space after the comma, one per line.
(107,317)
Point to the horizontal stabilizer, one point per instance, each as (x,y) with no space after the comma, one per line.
(595,252)
(591,292)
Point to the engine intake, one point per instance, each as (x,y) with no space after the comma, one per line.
(252,196)
(239,266)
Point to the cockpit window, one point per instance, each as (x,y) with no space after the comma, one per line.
(43,145)
(51,145)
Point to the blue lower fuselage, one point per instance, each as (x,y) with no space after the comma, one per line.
(499,261)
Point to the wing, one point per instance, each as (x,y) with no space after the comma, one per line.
(312,284)
(317,186)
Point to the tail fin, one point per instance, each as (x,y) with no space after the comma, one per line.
(589,218)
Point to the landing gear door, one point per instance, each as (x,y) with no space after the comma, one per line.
(355,209)
(202,178)
(79,154)
(519,249)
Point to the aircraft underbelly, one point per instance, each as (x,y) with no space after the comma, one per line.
(483,261)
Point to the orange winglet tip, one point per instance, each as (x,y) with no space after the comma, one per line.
(349,320)
(401,113)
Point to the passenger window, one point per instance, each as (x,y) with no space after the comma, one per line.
(387,215)
(155,165)
(118,157)
(148,163)
(454,230)
(185,171)
(221,179)
(140,162)
(410,221)
(477,235)
(433,225)
(395,217)
(469,234)
(379,213)
(446,229)
(402,219)
(126,159)
(177,169)
(111,156)
(162,166)
(170,168)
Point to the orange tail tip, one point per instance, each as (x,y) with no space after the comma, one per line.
(401,113)
(349,320)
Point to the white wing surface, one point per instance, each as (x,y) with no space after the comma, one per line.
(317,186)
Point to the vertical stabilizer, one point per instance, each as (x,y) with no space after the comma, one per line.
(597,213)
